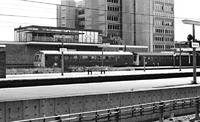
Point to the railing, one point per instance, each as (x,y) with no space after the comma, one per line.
(120,113)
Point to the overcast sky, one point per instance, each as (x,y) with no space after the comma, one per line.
(14,13)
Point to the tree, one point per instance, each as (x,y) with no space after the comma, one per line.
(113,40)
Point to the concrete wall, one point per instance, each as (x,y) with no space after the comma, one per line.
(25,109)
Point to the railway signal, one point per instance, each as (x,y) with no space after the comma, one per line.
(194,43)
(190,37)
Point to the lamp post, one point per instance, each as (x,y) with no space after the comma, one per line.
(174,58)
(62,56)
(62,49)
(180,57)
(103,46)
(193,23)
(144,62)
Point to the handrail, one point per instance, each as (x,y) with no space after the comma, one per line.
(133,110)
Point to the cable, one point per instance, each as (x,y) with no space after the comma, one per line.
(84,8)
(10,15)
(100,9)
(72,19)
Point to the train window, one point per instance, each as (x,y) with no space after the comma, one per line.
(56,58)
(98,58)
(37,58)
(84,58)
(75,58)
(135,57)
(71,58)
(112,58)
(93,57)
(140,58)
(89,58)
(66,58)
(46,57)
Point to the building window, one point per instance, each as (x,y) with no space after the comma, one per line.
(169,8)
(158,30)
(169,23)
(169,39)
(81,12)
(168,31)
(111,8)
(113,18)
(169,46)
(161,14)
(159,47)
(159,7)
(113,1)
(159,22)
(159,38)
(113,27)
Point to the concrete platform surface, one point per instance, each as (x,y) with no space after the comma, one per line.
(95,74)
(54,91)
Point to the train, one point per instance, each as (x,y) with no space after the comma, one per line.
(51,58)
(164,59)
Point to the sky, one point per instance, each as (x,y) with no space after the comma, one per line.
(15,13)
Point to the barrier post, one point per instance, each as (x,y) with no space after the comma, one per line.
(144,62)
(96,116)
(80,117)
(117,114)
(197,108)
(161,107)
(180,58)
(108,115)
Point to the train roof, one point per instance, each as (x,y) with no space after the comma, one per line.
(161,54)
(2,45)
(53,52)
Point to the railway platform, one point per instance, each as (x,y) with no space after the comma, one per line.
(33,102)
(83,77)
(80,92)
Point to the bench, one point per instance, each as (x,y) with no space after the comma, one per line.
(92,69)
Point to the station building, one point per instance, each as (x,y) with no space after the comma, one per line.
(30,39)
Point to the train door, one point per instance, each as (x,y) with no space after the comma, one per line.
(136,59)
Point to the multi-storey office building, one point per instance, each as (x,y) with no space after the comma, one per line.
(80,15)
(66,14)
(149,23)
(163,28)
(138,22)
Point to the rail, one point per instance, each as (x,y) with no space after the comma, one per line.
(120,113)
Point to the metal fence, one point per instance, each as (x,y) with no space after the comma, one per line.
(126,112)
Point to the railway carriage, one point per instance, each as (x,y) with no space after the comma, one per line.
(162,59)
(47,58)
